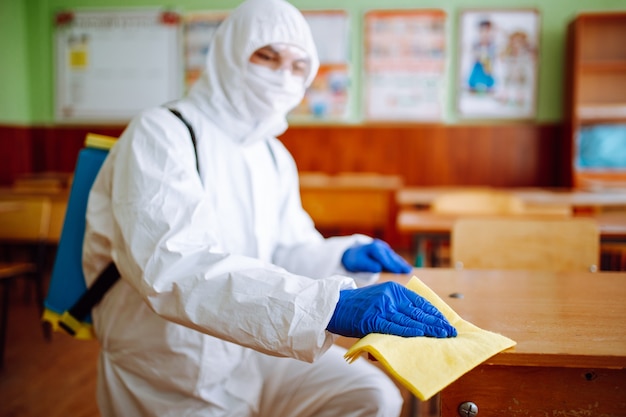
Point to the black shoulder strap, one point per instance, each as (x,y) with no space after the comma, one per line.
(269,146)
(71,319)
(191,133)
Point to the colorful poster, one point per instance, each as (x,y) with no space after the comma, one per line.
(405,56)
(328,96)
(498,64)
(198,32)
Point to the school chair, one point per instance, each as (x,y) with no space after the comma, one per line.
(612,251)
(23,226)
(434,250)
(485,202)
(613,256)
(478,201)
(539,244)
(351,203)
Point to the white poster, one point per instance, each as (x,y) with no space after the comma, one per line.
(112,64)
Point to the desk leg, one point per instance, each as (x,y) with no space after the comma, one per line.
(420,250)
(428,408)
(4,307)
(414,407)
(435,251)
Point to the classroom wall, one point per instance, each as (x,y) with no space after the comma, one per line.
(26,32)
(15,103)
(455,152)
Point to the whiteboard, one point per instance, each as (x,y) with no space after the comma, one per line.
(111,64)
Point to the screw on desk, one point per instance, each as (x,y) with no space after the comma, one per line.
(468,409)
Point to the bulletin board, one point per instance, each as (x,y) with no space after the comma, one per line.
(404,64)
(111,64)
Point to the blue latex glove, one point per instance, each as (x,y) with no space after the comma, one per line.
(387,308)
(376,256)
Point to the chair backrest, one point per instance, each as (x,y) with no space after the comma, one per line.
(552,244)
(27,220)
(351,202)
(478,201)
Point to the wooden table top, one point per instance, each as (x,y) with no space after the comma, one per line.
(610,224)
(563,319)
(341,182)
(423,196)
(17,193)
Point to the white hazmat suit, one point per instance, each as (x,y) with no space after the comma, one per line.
(227,288)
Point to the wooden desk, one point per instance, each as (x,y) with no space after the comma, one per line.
(573,198)
(424,224)
(58,206)
(348,203)
(7,206)
(611,225)
(578,199)
(43,181)
(570,357)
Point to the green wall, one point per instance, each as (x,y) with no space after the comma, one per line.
(15,106)
(27,78)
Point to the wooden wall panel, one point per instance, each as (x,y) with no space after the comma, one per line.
(17,153)
(498,155)
(41,149)
(59,146)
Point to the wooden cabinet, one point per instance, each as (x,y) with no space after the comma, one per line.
(596,98)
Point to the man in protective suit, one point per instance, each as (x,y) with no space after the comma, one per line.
(229,300)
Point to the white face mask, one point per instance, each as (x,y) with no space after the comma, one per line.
(271,92)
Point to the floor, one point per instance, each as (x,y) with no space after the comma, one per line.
(57,378)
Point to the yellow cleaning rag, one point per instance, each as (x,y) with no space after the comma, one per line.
(426,365)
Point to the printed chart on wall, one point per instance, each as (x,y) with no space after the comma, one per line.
(405,56)
(328,96)
(198,32)
(498,64)
(111,64)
